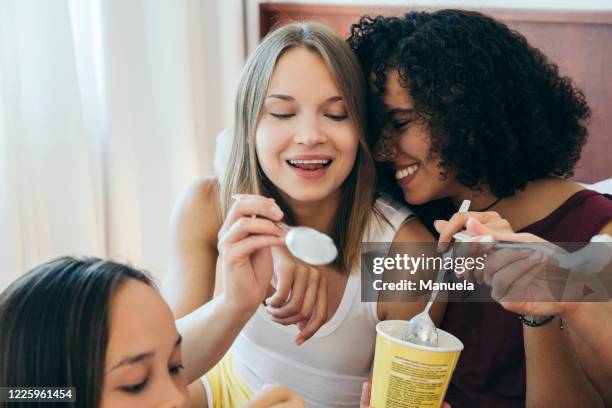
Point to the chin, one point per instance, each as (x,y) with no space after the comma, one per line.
(307,194)
(417,198)
(306,197)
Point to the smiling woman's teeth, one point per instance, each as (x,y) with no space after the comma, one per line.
(408,171)
(309,161)
(311,165)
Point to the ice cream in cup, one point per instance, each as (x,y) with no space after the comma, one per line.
(408,375)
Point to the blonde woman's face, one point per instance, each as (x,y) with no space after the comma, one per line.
(143,357)
(305,141)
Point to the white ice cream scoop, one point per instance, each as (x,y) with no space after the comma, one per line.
(309,245)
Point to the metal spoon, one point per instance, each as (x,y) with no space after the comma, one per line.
(307,244)
(310,245)
(590,259)
(421,329)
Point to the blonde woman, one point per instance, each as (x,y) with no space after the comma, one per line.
(298,155)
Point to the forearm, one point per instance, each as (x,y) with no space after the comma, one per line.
(554,375)
(208,332)
(592,323)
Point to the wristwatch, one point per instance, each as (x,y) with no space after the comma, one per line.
(535,321)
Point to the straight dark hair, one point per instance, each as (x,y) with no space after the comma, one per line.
(54,325)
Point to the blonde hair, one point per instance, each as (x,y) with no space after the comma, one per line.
(244,175)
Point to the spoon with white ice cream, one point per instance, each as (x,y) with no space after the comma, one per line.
(421,329)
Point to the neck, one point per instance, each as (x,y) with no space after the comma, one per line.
(481,199)
(315,214)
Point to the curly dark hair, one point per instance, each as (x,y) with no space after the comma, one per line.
(499,112)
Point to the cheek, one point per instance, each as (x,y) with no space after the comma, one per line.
(181,383)
(350,149)
(415,142)
(268,143)
(346,143)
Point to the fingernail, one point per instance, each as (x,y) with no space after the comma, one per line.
(535,256)
(442,246)
(438,225)
(299,341)
(470,222)
(486,239)
(277,211)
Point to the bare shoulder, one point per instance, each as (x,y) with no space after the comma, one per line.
(607,229)
(413,231)
(198,211)
(553,190)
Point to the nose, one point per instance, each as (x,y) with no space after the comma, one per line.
(309,131)
(175,395)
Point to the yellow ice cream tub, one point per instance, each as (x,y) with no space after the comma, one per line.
(408,375)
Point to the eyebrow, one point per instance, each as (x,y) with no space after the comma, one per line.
(143,356)
(292,99)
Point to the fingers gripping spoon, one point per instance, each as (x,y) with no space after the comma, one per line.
(421,329)
(307,244)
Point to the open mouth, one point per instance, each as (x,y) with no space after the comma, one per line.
(310,165)
(406,172)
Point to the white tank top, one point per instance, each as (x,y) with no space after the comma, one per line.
(328,369)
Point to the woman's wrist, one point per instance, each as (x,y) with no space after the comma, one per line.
(236,309)
(570,311)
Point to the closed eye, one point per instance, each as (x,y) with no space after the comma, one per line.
(135,388)
(282,115)
(399,125)
(337,118)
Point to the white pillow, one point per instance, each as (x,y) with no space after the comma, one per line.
(603,186)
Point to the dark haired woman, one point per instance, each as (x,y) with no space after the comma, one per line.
(462,107)
(102,328)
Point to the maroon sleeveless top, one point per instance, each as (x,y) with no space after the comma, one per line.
(491,368)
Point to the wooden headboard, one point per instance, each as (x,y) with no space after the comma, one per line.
(579,42)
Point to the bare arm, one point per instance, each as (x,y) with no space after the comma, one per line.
(209,327)
(554,375)
(589,325)
(190,281)
(590,330)
(415,233)
(558,370)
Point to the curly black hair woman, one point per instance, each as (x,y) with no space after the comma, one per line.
(462,107)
